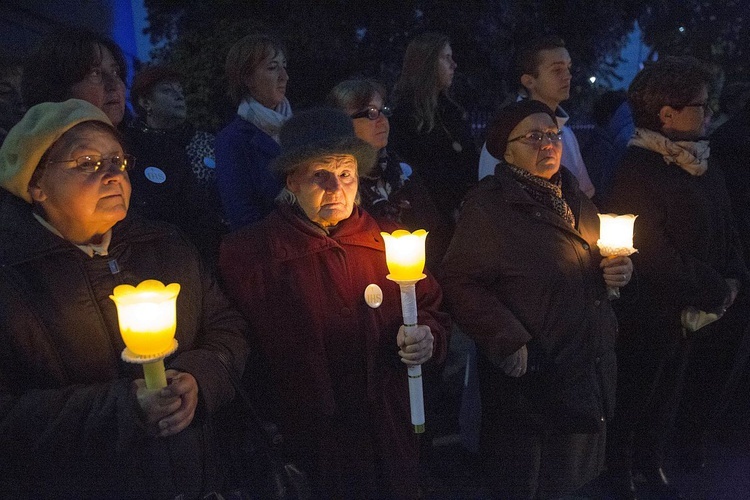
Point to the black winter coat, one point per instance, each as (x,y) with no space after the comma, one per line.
(70,426)
(686,240)
(166,189)
(445,159)
(730,146)
(517,274)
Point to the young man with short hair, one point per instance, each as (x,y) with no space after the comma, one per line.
(543,74)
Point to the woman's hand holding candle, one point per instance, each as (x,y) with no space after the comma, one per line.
(171,409)
(617,271)
(416,346)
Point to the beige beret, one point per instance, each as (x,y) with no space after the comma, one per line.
(38,130)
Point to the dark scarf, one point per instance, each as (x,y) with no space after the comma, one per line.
(547,192)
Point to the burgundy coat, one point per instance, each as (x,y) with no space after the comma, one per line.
(340,390)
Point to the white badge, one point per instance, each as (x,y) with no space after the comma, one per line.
(373,295)
(155,175)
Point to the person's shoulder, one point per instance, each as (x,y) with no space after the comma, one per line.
(241,135)
(255,235)
(238,127)
(487,190)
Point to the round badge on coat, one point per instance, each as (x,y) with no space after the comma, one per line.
(209,162)
(373,295)
(155,175)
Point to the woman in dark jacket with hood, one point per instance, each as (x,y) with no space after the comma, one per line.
(525,280)
(77,421)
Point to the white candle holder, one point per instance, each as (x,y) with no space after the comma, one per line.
(409,312)
(616,240)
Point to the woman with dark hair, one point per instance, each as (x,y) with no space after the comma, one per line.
(79,64)
(430,130)
(337,367)
(689,261)
(391,190)
(257,77)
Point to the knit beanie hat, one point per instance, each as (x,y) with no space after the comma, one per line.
(38,130)
(320,132)
(506,120)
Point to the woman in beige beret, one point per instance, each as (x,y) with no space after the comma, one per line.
(77,421)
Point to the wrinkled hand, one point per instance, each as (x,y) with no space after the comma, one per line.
(515,364)
(171,409)
(416,347)
(617,271)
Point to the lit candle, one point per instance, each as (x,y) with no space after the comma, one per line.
(616,239)
(405,256)
(147,315)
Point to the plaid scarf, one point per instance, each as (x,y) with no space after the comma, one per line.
(547,192)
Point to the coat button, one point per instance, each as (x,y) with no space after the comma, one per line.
(537,214)
(346,312)
(585,246)
(598,360)
(597,302)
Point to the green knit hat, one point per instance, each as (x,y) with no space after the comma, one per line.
(38,130)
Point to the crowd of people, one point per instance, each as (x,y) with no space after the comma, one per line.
(273,227)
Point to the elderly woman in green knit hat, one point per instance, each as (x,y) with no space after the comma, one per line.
(77,421)
(337,364)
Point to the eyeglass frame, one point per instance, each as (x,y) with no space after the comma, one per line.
(127,163)
(367,113)
(705,105)
(554,137)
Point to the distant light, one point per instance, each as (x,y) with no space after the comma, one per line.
(681,29)
(592,79)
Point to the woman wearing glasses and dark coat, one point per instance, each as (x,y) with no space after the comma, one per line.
(525,280)
(689,259)
(391,190)
(76,420)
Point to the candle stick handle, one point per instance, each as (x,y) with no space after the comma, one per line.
(416,395)
(155,375)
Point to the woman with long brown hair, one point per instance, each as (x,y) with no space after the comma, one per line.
(429,128)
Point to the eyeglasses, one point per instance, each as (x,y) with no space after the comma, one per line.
(536,137)
(91,164)
(97,76)
(705,105)
(372,113)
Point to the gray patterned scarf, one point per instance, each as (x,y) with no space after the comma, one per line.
(547,192)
